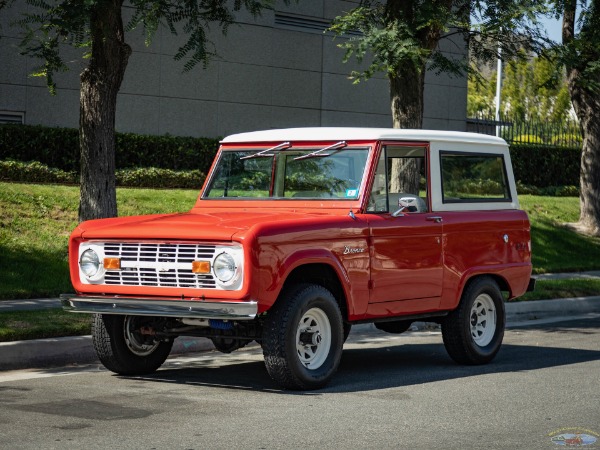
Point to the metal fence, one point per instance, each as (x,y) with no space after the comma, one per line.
(566,133)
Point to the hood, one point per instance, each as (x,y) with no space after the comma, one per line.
(217,226)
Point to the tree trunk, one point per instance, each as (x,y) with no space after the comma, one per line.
(100,84)
(406,95)
(586,103)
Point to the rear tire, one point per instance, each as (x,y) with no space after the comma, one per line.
(474,331)
(122,349)
(303,337)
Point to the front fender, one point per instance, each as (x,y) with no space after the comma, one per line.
(351,272)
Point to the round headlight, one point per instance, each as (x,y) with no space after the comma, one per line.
(224,267)
(89,263)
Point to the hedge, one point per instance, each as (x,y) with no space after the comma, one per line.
(59,148)
(147,177)
(543,167)
(534,165)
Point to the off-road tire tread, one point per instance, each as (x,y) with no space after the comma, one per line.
(112,351)
(457,338)
(274,336)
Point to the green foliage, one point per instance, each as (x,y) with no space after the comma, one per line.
(533,89)
(151,177)
(581,50)
(528,139)
(59,148)
(565,139)
(148,177)
(481,92)
(35,172)
(398,34)
(549,191)
(543,166)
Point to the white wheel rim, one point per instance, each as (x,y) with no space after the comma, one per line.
(313,338)
(133,343)
(483,320)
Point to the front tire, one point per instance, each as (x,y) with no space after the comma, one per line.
(474,331)
(123,349)
(303,336)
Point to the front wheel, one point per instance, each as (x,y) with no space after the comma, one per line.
(474,331)
(123,348)
(303,335)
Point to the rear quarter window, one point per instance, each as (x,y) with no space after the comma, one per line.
(473,177)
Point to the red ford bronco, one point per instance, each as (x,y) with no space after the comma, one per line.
(300,233)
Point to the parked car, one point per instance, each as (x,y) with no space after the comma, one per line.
(300,233)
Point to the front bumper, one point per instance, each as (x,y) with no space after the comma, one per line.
(205,309)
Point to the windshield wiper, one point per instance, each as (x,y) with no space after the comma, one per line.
(264,153)
(318,153)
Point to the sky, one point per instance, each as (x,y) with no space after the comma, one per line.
(553,28)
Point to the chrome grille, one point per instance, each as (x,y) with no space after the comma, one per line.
(158,265)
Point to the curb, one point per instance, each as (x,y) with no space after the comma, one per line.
(79,349)
(64,351)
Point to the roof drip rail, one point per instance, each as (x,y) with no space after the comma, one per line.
(318,153)
(264,152)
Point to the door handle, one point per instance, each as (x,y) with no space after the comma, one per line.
(436,219)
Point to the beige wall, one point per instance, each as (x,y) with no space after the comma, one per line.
(268,75)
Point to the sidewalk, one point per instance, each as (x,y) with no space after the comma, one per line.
(79,349)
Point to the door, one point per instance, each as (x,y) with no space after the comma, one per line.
(406,239)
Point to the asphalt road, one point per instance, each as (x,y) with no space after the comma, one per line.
(390,392)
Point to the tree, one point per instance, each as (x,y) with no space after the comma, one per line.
(531,89)
(402,39)
(97,26)
(580,54)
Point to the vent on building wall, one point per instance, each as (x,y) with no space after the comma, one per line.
(306,24)
(301,23)
(12,117)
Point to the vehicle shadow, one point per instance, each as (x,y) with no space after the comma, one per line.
(372,369)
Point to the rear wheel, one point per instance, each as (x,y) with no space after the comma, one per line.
(123,348)
(474,331)
(302,338)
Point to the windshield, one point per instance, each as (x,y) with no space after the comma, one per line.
(289,173)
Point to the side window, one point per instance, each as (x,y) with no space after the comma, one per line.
(469,177)
(400,181)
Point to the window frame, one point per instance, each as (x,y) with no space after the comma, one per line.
(507,187)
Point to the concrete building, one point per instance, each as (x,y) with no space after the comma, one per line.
(279,70)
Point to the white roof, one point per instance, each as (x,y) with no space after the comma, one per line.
(354,134)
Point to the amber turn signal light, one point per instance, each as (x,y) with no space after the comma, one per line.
(112,263)
(201,266)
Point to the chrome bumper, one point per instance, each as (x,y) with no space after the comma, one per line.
(160,308)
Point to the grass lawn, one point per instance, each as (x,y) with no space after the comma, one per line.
(22,325)
(550,289)
(35,224)
(555,248)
